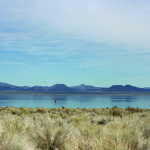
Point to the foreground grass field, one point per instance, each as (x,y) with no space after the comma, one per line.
(74,129)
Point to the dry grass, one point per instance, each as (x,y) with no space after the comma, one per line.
(74,129)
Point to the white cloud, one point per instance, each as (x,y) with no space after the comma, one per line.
(98,21)
(56,27)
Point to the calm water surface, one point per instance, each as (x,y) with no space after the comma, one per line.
(74,101)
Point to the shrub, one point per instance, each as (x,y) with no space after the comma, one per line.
(13,112)
(22,108)
(24,111)
(53,116)
(114,107)
(102,122)
(77,120)
(42,139)
(1,108)
(32,111)
(39,110)
(115,112)
(146,132)
(134,110)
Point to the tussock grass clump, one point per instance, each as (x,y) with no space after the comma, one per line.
(134,110)
(115,112)
(75,129)
(103,121)
(40,110)
(1,108)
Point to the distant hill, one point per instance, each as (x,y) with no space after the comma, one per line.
(62,88)
(84,88)
(54,88)
(147,88)
(5,86)
(122,89)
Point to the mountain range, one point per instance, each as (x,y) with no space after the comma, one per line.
(62,88)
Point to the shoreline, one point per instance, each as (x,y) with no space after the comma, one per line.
(77,93)
(78,108)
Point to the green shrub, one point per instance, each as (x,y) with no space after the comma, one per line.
(13,112)
(24,111)
(22,108)
(114,107)
(115,112)
(1,108)
(146,132)
(102,122)
(134,110)
(39,110)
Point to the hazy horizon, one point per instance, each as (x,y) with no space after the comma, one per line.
(76,85)
(98,43)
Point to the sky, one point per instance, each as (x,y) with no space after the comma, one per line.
(93,42)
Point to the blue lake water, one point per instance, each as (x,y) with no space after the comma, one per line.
(74,101)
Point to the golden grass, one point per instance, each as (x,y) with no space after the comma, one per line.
(74,129)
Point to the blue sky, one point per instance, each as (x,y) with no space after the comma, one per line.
(98,42)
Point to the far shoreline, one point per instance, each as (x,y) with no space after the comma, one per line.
(77,93)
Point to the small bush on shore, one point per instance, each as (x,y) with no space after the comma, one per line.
(134,110)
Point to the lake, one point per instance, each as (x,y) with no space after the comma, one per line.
(74,101)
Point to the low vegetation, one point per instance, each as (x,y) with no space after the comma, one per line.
(74,129)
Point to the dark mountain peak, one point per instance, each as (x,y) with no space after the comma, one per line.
(6,84)
(121,86)
(7,87)
(84,88)
(36,86)
(128,85)
(60,88)
(114,86)
(146,87)
(126,88)
(59,85)
(83,85)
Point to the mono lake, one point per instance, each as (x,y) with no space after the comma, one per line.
(74,101)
